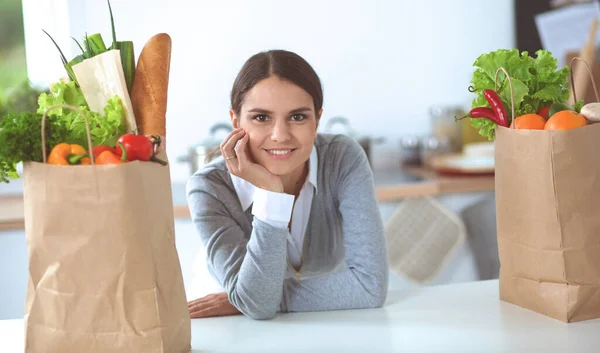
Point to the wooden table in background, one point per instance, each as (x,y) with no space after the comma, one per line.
(433,184)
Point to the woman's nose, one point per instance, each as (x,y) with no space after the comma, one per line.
(281,132)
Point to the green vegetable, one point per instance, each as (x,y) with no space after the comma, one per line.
(79,45)
(126,50)
(537,82)
(578,105)
(128,61)
(94,45)
(20,133)
(66,64)
(105,129)
(557,107)
(20,140)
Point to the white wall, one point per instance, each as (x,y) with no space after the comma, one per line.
(382,63)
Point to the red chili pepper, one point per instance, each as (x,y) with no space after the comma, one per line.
(497,106)
(483,112)
(138,147)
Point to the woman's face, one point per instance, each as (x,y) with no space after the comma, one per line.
(280,120)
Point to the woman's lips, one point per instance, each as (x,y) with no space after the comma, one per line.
(280,153)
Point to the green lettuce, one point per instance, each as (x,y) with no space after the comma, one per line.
(537,82)
(21,140)
(105,129)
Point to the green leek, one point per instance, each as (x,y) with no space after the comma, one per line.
(128,62)
(94,45)
(126,51)
(64,60)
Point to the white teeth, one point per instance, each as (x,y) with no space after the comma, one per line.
(279,152)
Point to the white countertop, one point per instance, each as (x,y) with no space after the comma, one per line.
(466,317)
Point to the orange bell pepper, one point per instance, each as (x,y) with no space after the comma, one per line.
(66,154)
(109,157)
(101,148)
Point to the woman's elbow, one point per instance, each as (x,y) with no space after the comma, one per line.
(379,293)
(379,299)
(260,314)
(254,309)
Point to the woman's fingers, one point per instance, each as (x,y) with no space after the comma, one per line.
(240,151)
(215,309)
(228,151)
(228,138)
(200,307)
(229,143)
(200,301)
(205,299)
(205,312)
(202,304)
(211,305)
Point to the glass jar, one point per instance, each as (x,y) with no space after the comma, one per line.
(444,127)
(432,146)
(410,150)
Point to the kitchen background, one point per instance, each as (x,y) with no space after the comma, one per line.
(387,68)
(383,64)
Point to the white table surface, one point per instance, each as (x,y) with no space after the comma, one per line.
(465,317)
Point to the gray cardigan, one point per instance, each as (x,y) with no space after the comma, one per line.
(344,258)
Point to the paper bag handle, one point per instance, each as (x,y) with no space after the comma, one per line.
(512,92)
(87,129)
(591,78)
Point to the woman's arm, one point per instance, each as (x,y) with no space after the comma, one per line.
(364,281)
(251,271)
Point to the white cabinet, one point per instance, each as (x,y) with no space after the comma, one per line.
(13,274)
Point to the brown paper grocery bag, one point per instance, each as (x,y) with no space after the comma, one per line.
(104,274)
(548,220)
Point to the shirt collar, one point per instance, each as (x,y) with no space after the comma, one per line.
(245,190)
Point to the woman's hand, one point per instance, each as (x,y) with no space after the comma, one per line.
(212,305)
(240,165)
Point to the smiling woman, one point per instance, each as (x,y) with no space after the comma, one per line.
(280,138)
(288,217)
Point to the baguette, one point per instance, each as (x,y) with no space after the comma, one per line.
(150,86)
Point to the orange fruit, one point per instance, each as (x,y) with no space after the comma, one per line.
(565,120)
(529,122)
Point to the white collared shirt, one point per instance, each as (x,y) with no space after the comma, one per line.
(277,209)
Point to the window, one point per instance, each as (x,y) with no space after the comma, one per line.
(16,94)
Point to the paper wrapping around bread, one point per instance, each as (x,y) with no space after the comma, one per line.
(101,78)
(150,86)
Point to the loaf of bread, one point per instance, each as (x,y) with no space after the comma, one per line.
(151,84)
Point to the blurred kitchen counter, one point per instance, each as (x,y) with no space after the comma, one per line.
(390,185)
(426,182)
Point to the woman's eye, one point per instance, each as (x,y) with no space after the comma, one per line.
(298,117)
(261,118)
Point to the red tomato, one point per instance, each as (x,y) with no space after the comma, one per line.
(544,112)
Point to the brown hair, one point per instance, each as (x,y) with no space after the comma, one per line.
(281,63)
